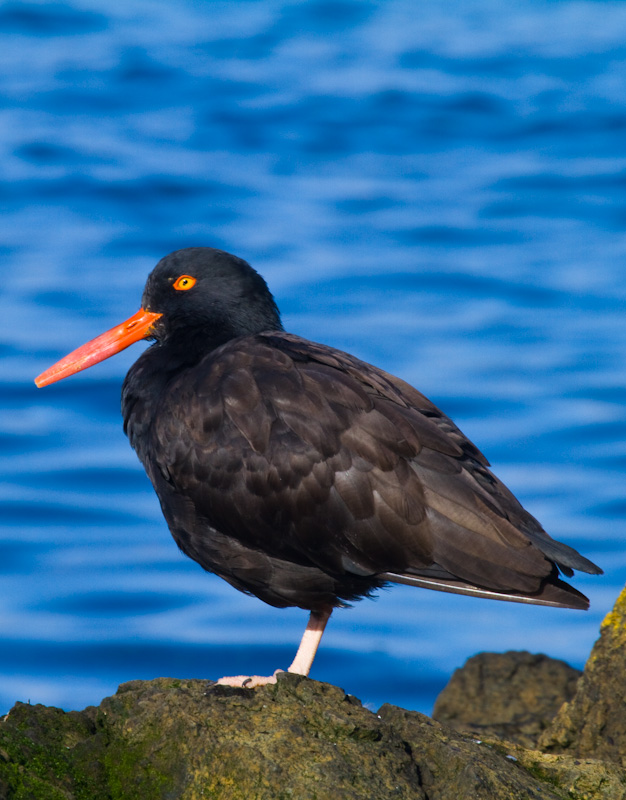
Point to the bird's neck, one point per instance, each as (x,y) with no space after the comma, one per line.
(156,368)
(150,375)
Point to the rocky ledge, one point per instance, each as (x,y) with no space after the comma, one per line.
(502,732)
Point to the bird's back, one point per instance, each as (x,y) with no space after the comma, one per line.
(307,477)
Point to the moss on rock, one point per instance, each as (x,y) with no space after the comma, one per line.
(593,723)
(47,753)
(188,739)
(295,739)
(302,739)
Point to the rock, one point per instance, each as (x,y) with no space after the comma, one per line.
(593,723)
(457,767)
(49,753)
(512,696)
(453,766)
(299,739)
(186,739)
(569,777)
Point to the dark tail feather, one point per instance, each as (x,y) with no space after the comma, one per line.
(553,592)
(564,556)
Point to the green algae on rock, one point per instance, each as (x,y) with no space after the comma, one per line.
(188,739)
(593,723)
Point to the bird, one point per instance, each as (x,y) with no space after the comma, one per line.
(301,474)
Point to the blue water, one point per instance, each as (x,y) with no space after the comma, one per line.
(438,188)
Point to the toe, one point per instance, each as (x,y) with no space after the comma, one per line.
(248,681)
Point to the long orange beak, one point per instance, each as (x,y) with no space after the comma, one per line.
(107,344)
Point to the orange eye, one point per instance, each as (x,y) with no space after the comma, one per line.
(184,282)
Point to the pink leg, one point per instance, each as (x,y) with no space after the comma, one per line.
(311,639)
(302,662)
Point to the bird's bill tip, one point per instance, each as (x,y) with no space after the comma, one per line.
(120,337)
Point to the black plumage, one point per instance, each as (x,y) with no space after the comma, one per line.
(304,476)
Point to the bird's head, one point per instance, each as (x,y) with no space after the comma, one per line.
(197,297)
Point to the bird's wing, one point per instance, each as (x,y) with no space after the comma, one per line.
(311,456)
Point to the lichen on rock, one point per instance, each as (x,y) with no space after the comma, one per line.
(593,723)
(188,739)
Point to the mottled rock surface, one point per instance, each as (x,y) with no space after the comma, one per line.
(512,696)
(303,740)
(593,723)
(457,767)
(189,739)
(168,739)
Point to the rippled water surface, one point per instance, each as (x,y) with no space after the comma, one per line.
(438,188)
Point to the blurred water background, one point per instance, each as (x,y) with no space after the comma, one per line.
(439,188)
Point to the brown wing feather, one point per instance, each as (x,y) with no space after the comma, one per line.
(309,478)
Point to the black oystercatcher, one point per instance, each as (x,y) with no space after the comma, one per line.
(302,475)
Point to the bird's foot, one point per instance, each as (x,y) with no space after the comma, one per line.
(248,681)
